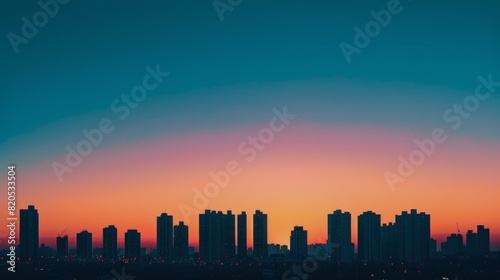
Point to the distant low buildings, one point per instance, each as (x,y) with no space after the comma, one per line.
(453,246)
(45,251)
(273,249)
(320,251)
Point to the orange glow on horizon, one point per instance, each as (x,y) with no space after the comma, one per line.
(307,172)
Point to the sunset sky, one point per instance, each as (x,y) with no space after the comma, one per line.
(226,80)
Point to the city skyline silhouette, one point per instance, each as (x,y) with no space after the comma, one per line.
(349,139)
(403,248)
(165,226)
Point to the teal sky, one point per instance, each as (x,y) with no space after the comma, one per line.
(225,74)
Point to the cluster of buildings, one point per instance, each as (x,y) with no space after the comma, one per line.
(223,236)
(171,242)
(476,244)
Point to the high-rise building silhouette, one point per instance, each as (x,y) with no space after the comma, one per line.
(413,233)
(242,235)
(388,242)
(181,241)
(369,237)
(210,235)
(259,234)
(298,242)
(28,233)
(84,245)
(478,244)
(216,235)
(164,236)
(132,244)
(339,236)
(471,243)
(229,236)
(62,245)
(483,238)
(110,242)
(453,246)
